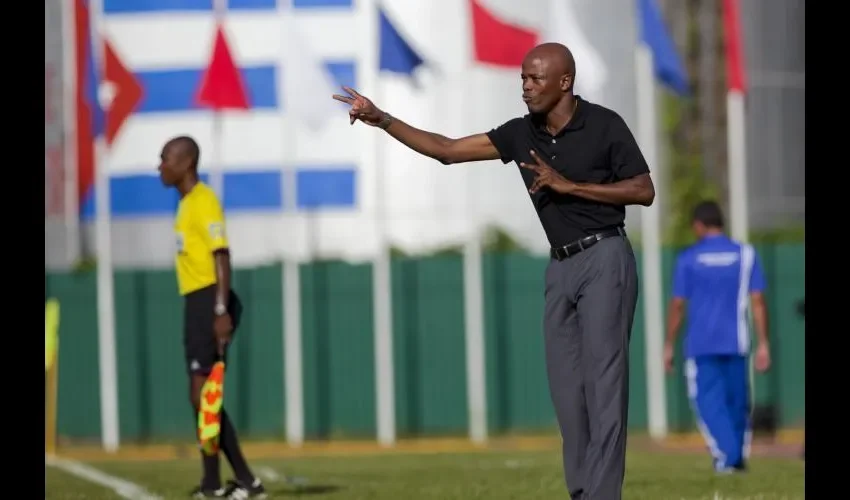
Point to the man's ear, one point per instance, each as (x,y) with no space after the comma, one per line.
(566,82)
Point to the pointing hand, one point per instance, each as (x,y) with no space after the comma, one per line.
(361,107)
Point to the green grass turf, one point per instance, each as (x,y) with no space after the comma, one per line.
(488,475)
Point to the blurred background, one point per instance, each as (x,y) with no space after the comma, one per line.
(388,296)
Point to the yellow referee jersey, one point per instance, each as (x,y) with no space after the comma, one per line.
(199,228)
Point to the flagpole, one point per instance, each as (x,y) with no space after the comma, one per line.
(737,144)
(73,247)
(473,291)
(473,301)
(651,247)
(382,265)
(292,340)
(103,236)
(736,128)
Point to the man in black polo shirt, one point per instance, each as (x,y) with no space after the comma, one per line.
(581,166)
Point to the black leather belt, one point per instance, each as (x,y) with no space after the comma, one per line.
(577,246)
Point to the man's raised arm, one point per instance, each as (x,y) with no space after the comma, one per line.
(446,150)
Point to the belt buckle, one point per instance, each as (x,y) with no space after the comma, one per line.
(560,253)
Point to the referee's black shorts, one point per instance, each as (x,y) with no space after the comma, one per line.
(199,340)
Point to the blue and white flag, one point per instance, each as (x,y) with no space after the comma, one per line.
(289,77)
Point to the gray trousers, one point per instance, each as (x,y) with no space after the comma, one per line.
(590,306)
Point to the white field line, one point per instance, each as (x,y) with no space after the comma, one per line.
(272,476)
(122,487)
(268,474)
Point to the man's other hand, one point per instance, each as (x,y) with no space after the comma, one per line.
(223,329)
(762,360)
(547,177)
(361,108)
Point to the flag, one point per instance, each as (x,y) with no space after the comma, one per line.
(667,63)
(563,27)
(735,73)
(240,69)
(396,55)
(112,83)
(90,119)
(222,86)
(287,77)
(125,92)
(496,41)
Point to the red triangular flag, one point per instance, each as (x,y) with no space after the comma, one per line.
(222,85)
(497,42)
(736,76)
(128,92)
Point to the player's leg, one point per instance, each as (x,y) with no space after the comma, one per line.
(607,296)
(708,395)
(230,446)
(200,353)
(562,339)
(738,400)
(246,484)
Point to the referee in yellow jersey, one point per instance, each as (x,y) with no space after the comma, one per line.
(211,308)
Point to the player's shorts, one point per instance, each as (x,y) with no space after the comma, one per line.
(199,340)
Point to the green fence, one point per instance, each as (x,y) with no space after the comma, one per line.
(338,360)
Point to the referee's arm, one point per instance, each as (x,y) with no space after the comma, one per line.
(215,238)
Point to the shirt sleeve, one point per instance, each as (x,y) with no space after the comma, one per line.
(504,137)
(210,219)
(757,281)
(680,278)
(627,161)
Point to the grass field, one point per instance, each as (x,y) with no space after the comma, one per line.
(493,475)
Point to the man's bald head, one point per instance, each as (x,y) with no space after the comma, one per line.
(179,161)
(548,74)
(557,56)
(185,147)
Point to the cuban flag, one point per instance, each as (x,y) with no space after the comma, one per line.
(156,55)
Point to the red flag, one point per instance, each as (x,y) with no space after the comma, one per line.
(498,42)
(128,92)
(736,77)
(222,85)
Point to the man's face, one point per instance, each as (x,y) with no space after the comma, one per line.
(173,165)
(542,87)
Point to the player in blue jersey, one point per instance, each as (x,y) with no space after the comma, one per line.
(717,281)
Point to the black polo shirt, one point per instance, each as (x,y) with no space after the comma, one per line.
(596,146)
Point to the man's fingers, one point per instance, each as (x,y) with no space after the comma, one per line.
(528,166)
(538,183)
(536,157)
(342,98)
(351,91)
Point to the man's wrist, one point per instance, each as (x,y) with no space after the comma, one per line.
(386,120)
(220,309)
